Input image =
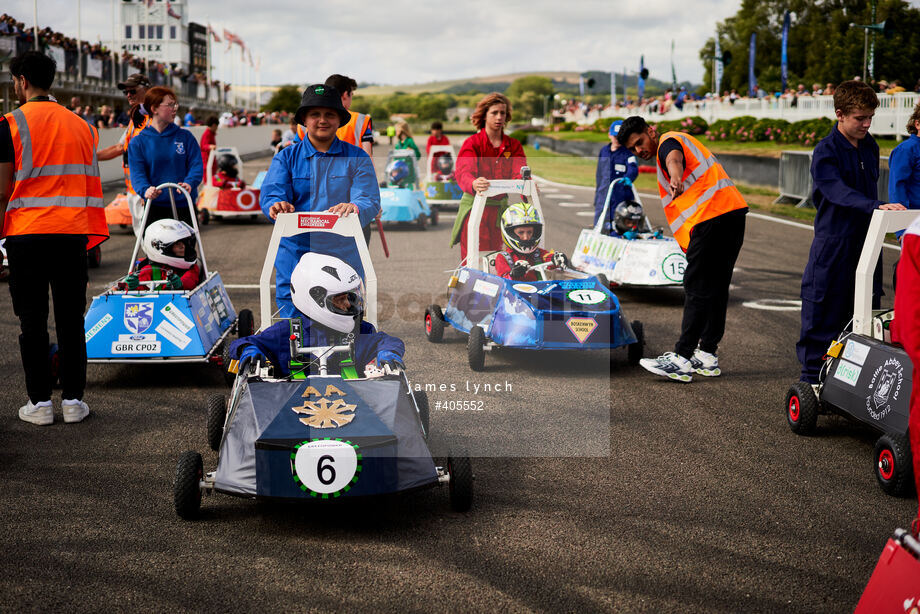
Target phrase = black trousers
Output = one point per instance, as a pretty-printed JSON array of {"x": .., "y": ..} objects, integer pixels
[
  {"x": 38, "y": 262},
  {"x": 711, "y": 255}
]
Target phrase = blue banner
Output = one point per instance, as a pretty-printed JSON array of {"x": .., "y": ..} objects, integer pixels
[
  {"x": 785, "y": 56},
  {"x": 624, "y": 85},
  {"x": 752, "y": 80},
  {"x": 640, "y": 83},
  {"x": 673, "y": 71},
  {"x": 719, "y": 65}
]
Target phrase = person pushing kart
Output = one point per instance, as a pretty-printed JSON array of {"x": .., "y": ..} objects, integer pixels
[
  {"x": 521, "y": 232},
  {"x": 328, "y": 297},
  {"x": 171, "y": 256}
]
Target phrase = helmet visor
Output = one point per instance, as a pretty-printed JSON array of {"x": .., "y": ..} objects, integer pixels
[{"x": 349, "y": 303}]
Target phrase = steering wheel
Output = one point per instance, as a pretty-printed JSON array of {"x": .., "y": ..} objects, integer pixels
[{"x": 540, "y": 269}]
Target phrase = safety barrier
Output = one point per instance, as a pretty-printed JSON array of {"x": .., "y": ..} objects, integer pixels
[{"x": 795, "y": 181}]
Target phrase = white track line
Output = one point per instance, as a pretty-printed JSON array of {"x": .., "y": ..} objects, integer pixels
[
  {"x": 585, "y": 213},
  {"x": 570, "y": 205},
  {"x": 560, "y": 196}
]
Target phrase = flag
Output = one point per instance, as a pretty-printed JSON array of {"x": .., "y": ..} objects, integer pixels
[
  {"x": 213, "y": 34},
  {"x": 249, "y": 56},
  {"x": 673, "y": 71},
  {"x": 784, "y": 67},
  {"x": 228, "y": 36},
  {"x": 718, "y": 66},
  {"x": 752, "y": 80},
  {"x": 171, "y": 12},
  {"x": 640, "y": 82},
  {"x": 581, "y": 85}
]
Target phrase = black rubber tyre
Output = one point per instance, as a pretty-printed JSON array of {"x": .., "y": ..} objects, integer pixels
[
  {"x": 421, "y": 221},
  {"x": 634, "y": 351},
  {"x": 94, "y": 257},
  {"x": 434, "y": 215},
  {"x": 229, "y": 378},
  {"x": 245, "y": 324},
  {"x": 801, "y": 408},
  {"x": 186, "y": 490},
  {"x": 475, "y": 352},
  {"x": 893, "y": 468},
  {"x": 424, "y": 409},
  {"x": 603, "y": 279},
  {"x": 460, "y": 470},
  {"x": 217, "y": 415},
  {"x": 54, "y": 358},
  {"x": 204, "y": 216},
  {"x": 434, "y": 323}
]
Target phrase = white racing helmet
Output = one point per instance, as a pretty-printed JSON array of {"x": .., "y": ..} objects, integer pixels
[
  {"x": 318, "y": 278},
  {"x": 515, "y": 216},
  {"x": 161, "y": 235}
]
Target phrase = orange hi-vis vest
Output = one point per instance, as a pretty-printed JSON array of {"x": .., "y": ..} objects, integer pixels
[
  {"x": 132, "y": 131},
  {"x": 708, "y": 192},
  {"x": 57, "y": 188},
  {"x": 347, "y": 132}
]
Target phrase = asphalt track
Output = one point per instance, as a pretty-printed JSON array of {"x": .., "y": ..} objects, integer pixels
[{"x": 598, "y": 486}]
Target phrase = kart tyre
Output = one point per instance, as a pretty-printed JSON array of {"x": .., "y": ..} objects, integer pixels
[
  {"x": 229, "y": 378},
  {"x": 54, "y": 357},
  {"x": 422, "y": 221},
  {"x": 94, "y": 257},
  {"x": 460, "y": 470},
  {"x": 424, "y": 409},
  {"x": 434, "y": 323},
  {"x": 603, "y": 279},
  {"x": 434, "y": 215},
  {"x": 893, "y": 468},
  {"x": 802, "y": 408},
  {"x": 217, "y": 415},
  {"x": 245, "y": 324},
  {"x": 635, "y": 350},
  {"x": 475, "y": 352},
  {"x": 204, "y": 216},
  {"x": 186, "y": 489}
]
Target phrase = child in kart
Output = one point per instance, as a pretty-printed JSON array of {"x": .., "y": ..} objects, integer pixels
[
  {"x": 328, "y": 295},
  {"x": 398, "y": 174},
  {"x": 521, "y": 232},
  {"x": 228, "y": 175},
  {"x": 171, "y": 256},
  {"x": 629, "y": 222},
  {"x": 444, "y": 167}
]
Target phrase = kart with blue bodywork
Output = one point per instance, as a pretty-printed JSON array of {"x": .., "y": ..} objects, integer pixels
[
  {"x": 329, "y": 431},
  {"x": 866, "y": 377},
  {"x": 401, "y": 202},
  {"x": 441, "y": 188},
  {"x": 152, "y": 325},
  {"x": 565, "y": 309}
]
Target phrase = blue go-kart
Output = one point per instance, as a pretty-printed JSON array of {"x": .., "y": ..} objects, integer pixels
[
  {"x": 566, "y": 310},
  {"x": 316, "y": 436},
  {"x": 402, "y": 202},
  {"x": 158, "y": 326}
]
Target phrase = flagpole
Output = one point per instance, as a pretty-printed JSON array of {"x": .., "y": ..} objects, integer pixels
[
  {"x": 207, "y": 54},
  {"x": 113, "y": 44},
  {"x": 79, "y": 42},
  {"x": 35, "y": 24}
]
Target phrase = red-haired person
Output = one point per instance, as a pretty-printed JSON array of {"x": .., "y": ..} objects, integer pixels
[{"x": 488, "y": 154}]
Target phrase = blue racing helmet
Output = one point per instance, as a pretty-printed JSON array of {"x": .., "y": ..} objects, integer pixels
[
  {"x": 397, "y": 172},
  {"x": 615, "y": 127}
]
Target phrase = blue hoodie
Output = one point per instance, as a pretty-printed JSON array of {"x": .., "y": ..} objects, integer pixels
[{"x": 169, "y": 156}]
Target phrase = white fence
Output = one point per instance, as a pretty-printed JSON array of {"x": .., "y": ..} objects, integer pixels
[{"x": 890, "y": 117}]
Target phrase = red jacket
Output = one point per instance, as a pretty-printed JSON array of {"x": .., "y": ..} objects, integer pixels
[
  {"x": 434, "y": 141},
  {"x": 505, "y": 260},
  {"x": 477, "y": 158},
  {"x": 152, "y": 271}
]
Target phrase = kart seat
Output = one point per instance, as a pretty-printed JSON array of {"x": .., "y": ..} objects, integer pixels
[{"x": 488, "y": 262}]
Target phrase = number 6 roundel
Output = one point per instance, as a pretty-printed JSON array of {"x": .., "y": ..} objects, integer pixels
[{"x": 326, "y": 468}]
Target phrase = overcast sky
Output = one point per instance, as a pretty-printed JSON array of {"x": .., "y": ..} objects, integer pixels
[{"x": 415, "y": 41}]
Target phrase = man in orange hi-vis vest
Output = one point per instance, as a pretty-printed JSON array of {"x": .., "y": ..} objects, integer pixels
[
  {"x": 706, "y": 213},
  {"x": 51, "y": 199}
]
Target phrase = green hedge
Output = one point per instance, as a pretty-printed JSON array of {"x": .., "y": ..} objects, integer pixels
[{"x": 746, "y": 129}]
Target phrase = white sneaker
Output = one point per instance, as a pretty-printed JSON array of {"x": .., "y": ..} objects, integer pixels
[
  {"x": 41, "y": 414},
  {"x": 74, "y": 410},
  {"x": 670, "y": 365},
  {"x": 705, "y": 363}
]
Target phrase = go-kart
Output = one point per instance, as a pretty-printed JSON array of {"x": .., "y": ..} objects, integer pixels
[
  {"x": 439, "y": 191},
  {"x": 650, "y": 259},
  {"x": 865, "y": 377},
  {"x": 315, "y": 435},
  {"x": 402, "y": 205},
  {"x": 227, "y": 201},
  {"x": 565, "y": 310},
  {"x": 158, "y": 326}
]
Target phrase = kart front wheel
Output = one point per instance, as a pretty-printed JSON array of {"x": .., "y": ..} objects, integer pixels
[
  {"x": 424, "y": 411},
  {"x": 229, "y": 377},
  {"x": 893, "y": 464},
  {"x": 635, "y": 350},
  {"x": 434, "y": 323},
  {"x": 245, "y": 324},
  {"x": 422, "y": 221},
  {"x": 802, "y": 408},
  {"x": 186, "y": 488},
  {"x": 460, "y": 471},
  {"x": 475, "y": 349},
  {"x": 217, "y": 415},
  {"x": 434, "y": 216},
  {"x": 204, "y": 216}
]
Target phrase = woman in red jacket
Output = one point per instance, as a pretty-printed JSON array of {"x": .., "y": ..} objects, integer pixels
[{"x": 488, "y": 154}]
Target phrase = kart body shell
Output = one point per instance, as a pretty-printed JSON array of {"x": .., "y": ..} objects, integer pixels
[
  {"x": 118, "y": 212},
  {"x": 150, "y": 326},
  {"x": 865, "y": 376},
  {"x": 228, "y": 202},
  {"x": 441, "y": 193},
  {"x": 405, "y": 205},
  {"x": 645, "y": 261}
]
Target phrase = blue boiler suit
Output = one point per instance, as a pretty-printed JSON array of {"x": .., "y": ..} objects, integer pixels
[
  {"x": 612, "y": 165},
  {"x": 904, "y": 174},
  {"x": 845, "y": 195}
]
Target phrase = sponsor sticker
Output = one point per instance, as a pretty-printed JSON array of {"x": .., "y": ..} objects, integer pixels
[
  {"x": 581, "y": 327},
  {"x": 177, "y": 318},
  {"x": 246, "y": 200},
  {"x": 673, "y": 267},
  {"x": 98, "y": 326},
  {"x": 525, "y": 288},
  {"x": 316, "y": 220},
  {"x": 174, "y": 335},
  {"x": 586, "y": 297},
  {"x": 847, "y": 372},
  {"x": 485, "y": 287},
  {"x": 856, "y": 352}
]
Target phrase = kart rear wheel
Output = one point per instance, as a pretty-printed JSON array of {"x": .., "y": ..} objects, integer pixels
[
  {"x": 634, "y": 350},
  {"x": 217, "y": 415},
  {"x": 802, "y": 408},
  {"x": 893, "y": 468},
  {"x": 475, "y": 350},
  {"x": 460, "y": 471},
  {"x": 204, "y": 216},
  {"x": 603, "y": 279},
  {"x": 229, "y": 377},
  {"x": 94, "y": 257},
  {"x": 245, "y": 324},
  {"x": 422, "y": 221},
  {"x": 434, "y": 323},
  {"x": 186, "y": 489},
  {"x": 424, "y": 409},
  {"x": 434, "y": 215}
]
